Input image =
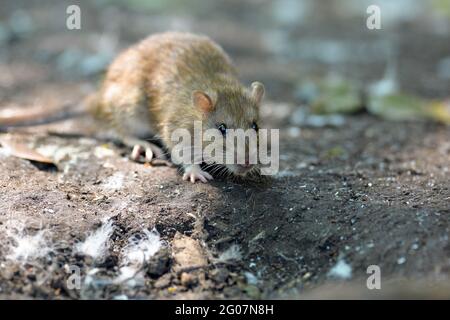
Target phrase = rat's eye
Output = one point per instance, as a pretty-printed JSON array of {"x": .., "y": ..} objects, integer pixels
[
  {"x": 222, "y": 128},
  {"x": 255, "y": 126}
]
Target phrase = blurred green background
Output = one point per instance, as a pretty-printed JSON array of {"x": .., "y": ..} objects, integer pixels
[{"x": 298, "y": 48}]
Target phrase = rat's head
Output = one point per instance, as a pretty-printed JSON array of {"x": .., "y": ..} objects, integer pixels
[{"x": 231, "y": 107}]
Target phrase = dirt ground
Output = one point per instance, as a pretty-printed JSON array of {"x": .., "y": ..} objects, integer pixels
[{"x": 365, "y": 192}]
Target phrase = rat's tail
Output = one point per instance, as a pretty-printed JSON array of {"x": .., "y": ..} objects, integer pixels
[{"x": 34, "y": 116}]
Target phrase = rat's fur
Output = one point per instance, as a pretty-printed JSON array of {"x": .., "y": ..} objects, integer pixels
[
  {"x": 166, "y": 82},
  {"x": 150, "y": 86}
]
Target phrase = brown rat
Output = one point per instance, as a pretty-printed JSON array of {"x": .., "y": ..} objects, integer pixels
[{"x": 167, "y": 82}]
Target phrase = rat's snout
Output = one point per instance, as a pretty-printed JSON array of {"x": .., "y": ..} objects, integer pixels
[
  {"x": 245, "y": 159},
  {"x": 245, "y": 167},
  {"x": 246, "y": 164}
]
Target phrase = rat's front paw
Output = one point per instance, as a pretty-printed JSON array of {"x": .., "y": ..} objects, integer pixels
[{"x": 194, "y": 173}]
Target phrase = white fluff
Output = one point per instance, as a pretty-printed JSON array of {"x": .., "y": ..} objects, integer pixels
[
  {"x": 232, "y": 253},
  {"x": 135, "y": 254},
  {"x": 341, "y": 270},
  {"x": 26, "y": 247},
  {"x": 141, "y": 249},
  {"x": 96, "y": 244},
  {"x": 131, "y": 275}
]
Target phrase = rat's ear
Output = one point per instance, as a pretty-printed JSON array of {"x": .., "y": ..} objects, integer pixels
[
  {"x": 202, "y": 101},
  {"x": 257, "y": 91}
]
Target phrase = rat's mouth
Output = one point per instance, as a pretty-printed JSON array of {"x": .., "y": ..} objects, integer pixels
[
  {"x": 234, "y": 169},
  {"x": 242, "y": 169}
]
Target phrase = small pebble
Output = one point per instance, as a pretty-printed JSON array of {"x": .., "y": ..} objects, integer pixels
[{"x": 187, "y": 279}]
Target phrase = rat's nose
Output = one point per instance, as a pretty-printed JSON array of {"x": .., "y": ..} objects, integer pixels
[{"x": 246, "y": 164}]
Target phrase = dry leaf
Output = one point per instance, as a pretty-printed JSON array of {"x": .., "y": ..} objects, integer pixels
[
  {"x": 440, "y": 111},
  {"x": 397, "y": 107},
  {"x": 337, "y": 96},
  {"x": 406, "y": 107},
  {"x": 21, "y": 150}
]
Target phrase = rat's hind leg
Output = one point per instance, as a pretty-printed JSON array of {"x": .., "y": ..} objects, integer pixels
[
  {"x": 132, "y": 130},
  {"x": 131, "y": 120},
  {"x": 143, "y": 148},
  {"x": 132, "y": 125},
  {"x": 127, "y": 105}
]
